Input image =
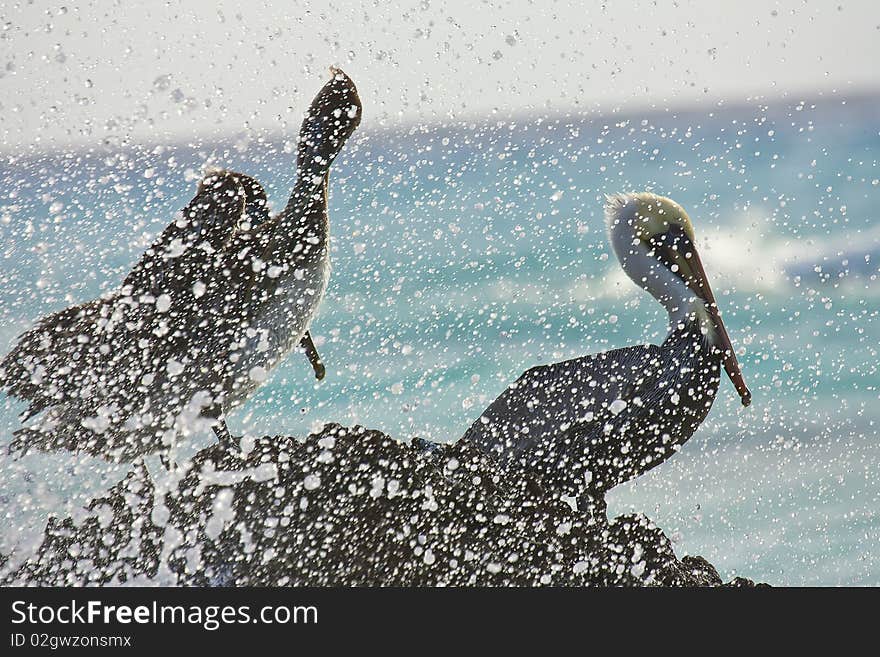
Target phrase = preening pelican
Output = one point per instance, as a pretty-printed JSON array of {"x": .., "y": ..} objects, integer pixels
[
  {"x": 220, "y": 298},
  {"x": 585, "y": 425}
]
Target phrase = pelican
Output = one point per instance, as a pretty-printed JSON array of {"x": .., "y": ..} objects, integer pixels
[
  {"x": 219, "y": 299},
  {"x": 582, "y": 426}
]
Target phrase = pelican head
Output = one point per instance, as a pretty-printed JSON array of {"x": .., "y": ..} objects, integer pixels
[
  {"x": 653, "y": 239},
  {"x": 332, "y": 117}
]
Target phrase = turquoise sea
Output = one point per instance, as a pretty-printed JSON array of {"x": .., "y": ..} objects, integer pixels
[{"x": 464, "y": 254}]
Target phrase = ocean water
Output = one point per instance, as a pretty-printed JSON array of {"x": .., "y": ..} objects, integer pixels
[{"x": 464, "y": 254}]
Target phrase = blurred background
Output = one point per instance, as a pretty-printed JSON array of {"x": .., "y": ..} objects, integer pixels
[{"x": 468, "y": 236}]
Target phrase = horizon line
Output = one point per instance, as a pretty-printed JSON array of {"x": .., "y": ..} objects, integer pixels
[{"x": 619, "y": 111}]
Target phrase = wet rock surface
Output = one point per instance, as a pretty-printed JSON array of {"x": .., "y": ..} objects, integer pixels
[{"x": 348, "y": 507}]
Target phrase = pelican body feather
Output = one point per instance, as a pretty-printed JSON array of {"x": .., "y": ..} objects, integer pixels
[{"x": 588, "y": 424}]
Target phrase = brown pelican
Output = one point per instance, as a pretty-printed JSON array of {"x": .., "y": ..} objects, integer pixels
[
  {"x": 581, "y": 426},
  {"x": 220, "y": 298}
]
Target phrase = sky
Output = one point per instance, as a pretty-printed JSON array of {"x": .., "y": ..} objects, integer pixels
[{"x": 113, "y": 71}]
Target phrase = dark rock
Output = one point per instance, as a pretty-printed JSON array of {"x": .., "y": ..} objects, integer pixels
[
  {"x": 742, "y": 582},
  {"x": 702, "y": 570},
  {"x": 350, "y": 507}
]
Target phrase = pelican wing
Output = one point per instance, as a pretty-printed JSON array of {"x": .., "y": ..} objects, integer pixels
[
  {"x": 40, "y": 367},
  {"x": 47, "y": 361},
  {"x": 100, "y": 362},
  {"x": 554, "y": 414},
  {"x": 205, "y": 226}
]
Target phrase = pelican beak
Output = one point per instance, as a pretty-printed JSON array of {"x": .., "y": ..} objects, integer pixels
[{"x": 690, "y": 268}]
